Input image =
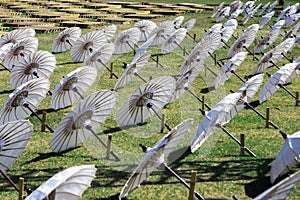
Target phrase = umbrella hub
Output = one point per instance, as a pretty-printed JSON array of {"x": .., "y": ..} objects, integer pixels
[
  {"x": 267, "y": 58},
  {"x": 70, "y": 83},
  {"x": 65, "y": 38},
  {"x": 83, "y": 119},
  {"x": 124, "y": 39},
  {"x": 88, "y": 46},
  {"x": 19, "y": 98},
  {"x": 2, "y": 144},
  {"x": 96, "y": 57},
  {"x": 18, "y": 50},
  {"x": 132, "y": 69},
  {"x": 172, "y": 39},
  {"x": 241, "y": 43},
  {"x": 31, "y": 68},
  {"x": 145, "y": 100}
]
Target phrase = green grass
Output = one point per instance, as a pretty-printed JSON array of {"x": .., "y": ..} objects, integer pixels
[{"x": 221, "y": 171}]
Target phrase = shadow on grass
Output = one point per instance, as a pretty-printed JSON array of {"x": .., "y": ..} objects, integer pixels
[
  {"x": 207, "y": 90},
  {"x": 6, "y": 91}
]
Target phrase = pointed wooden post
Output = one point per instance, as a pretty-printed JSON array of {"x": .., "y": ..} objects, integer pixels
[
  {"x": 297, "y": 99},
  {"x": 162, "y": 123},
  {"x": 157, "y": 60},
  {"x": 108, "y": 146},
  {"x": 194, "y": 37},
  {"x": 111, "y": 70},
  {"x": 192, "y": 185},
  {"x": 267, "y": 117},
  {"x": 43, "y": 126},
  {"x": 21, "y": 188},
  {"x": 203, "y": 103},
  {"x": 183, "y": 51},
  {"x": 242, "y": 147}
]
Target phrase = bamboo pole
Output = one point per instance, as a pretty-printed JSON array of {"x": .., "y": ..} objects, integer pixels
[{"x": 21, "y": 188}]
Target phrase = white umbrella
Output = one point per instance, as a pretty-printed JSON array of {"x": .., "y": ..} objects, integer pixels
[
  {"x": 39, "y": 64},
  {"x": 82, "y": 122},
  {"x": 127, "y": 40},
  {"x": 291, "y": 19},
  {"x": 188, "y": 25},
  {"x": 282, "y": 189},
  {"x": 161, "y": 32},
  {"x": 157, "y": 156},
  {"x": 178, "y": 21},
  {"x": 229, "y": 68},
  {"x": 227, "y": 31},
  {"x": 264, "y": 8},
  {"x": 220, "y": 114},
  {"x": 100, "y": 56},
  {"x": 16, "y": 35},
  {"x": 14, "y": 137},
  {"x": 73, "y": 87},
  {"x": 287, "y": 157},
  {"x": 217, "y": 9},
  {"x": 86, "y": 44},
  {"x": 292, "y": 32},
  {"x": 173, "y": 41},
  {"x": 132, "y": 70},
  {"x": 4, "y": 49},
  {"x": 275, "y": 82},
  {"x": 296, "y": 71},
  {"x": 145, "y": 26},
  {"x": 66, "y": 39},
  {"x": 272, "y": 6},
  {"x": 20, "y": 49},
  {"x": 24, "y": 99},
  {"x": 268, "y": 39},
  {"x": 146, "y": 101},
  {"x": 265, "y": 19},
  {"x": 67, "y": 184},
  {"x": 109, "y": 32},
  {"x": 223, "y": 13}
]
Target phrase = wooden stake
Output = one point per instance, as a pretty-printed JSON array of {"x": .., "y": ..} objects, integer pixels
[
  {"x": 157, "y": 60},
  {"x": 43, "y": 126},
  {"x": 194, "y": 37},
  {"x": 242, "y": 147},
  {"x": 162, "y": 123},
  {"x": 21, "y": 188},
  {"x": 183, "y": 51},
  {"x": 297, "y": 99},
  {"x": 267, "y": 117},
  {"x": 108, "y": 146},
  {"x": 192, "y": 185},
  {"x": 203, "y": 103},
  {"x": 111, "y": 70}
]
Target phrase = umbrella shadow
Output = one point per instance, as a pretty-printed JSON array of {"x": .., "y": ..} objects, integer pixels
[
  {"x": 207, "y": 89},
  {"x": 49, "y": 110},
  {"x": 257, "y": 186},
  {"x": 6, "y": 91},
  {"x": 254, "y": 104}
]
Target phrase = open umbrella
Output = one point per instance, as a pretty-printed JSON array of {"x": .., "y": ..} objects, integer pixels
[
  {"x": 4, "y": 49},
  {"x": 268, "y": 39},
  {"x": 292, "y": 32},
  {"x": 24, "y": 99},
  {"x": 157, "y": 156},
  {"x": 109, "y": 32},
  {"x": 66, "y": 39},
  {"x": 132, "y": 70},
  {"x": 173, "y": 41},
  {"x": 217, "y": 9},
  {"x": 100, "y": 56},
  {"x": 227, "y": 31},
  {"x": 16, "y": 35},
  {"x": 127, "y": 40},
  {"x": 146, "y": 101},
  {"x": 229, "y": 68},
  {"x": 282, "y": 189},
  {"x": 224, "y": 12},
  {"x": 86, "y": 44},
  {"x": 275, "y": 82},
  {"x": 287, "y": 157},
  {"x": 188, "y": 25},
  {"x": 14, "y": 137},
  {"x": 272, "y": 6},
  {"x": 73, "y": 87},
  {"x": 145, "y": 26},
  {"x": 39, "y": 64},
  {"x": 20, "y": 49},
  {"x": 178, "y": 21},
  {"x": 220, "y": 114},
  {"x": 265, "y": 19},
  {"x": 82, "y": 122},
  {"x": 264, "y": 8},
  {"x": 161, "y": 32},
  {"x": 67, "y": 184}
]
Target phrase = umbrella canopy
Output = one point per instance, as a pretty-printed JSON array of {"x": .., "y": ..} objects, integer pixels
[
  {"x": 223, "y": 13},
  {"x": 227, "y": 31},
  {"x": 272, "y": 6},
  {"x": 86, "y": 44},
  {"x": 156, "y": 156},
  {"x": 39, "y": 64},
  {"x": 178, "y": 21},
  {"x": 188, "y": 25},
  {"x": 132, "y": 70},
  {"x": 173, "y": 41},
  {"x": 100, "y": 56},
  {"x": 16, "y": 36},
  {"x": 90, "y": 113},
  {"x": 66, "y": 39},
  {"x": 14, "y": 137},
  {"x": 146, "y": 27},
  {"x": 161, "y": 32},
  {"x": 147, "y": 100},
  {"x": 251, "y": 86},
  {"x": 67, "y": 184},
  {"x": 291, "y": 19},
  {"x": 230, "y": 66},
  {"x": 217, "y": 9},
  {"x": 30, "y": 93},
  {"x": 264, "y": 8},
  {"x": 273, "y": 84},
  {"x": 222, "y": 113},
  {"x": 73, "y": 87},
  {"x": 292, "y": 32},
  {"x": 20, "y": 49},
  {"x": 4, "y": 49},
  {"x": 109, "y": 32},
  {"x": 265, "y": 19},
  {"x": 268, "y": 39},
  {"x": 296, "y": 71},
  {"x": 282, "y": 189},
  {"x": 127, "y": 40},
  {"x": 287, "y": 157},
  {"x": 183, "y": 82}
]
